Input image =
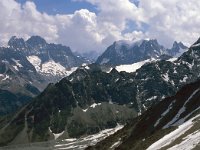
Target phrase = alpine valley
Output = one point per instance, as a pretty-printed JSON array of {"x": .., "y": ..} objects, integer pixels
[{"x": 138, "y": 95}]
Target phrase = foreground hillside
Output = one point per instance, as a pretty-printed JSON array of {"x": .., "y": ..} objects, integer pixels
[{"x": 172, "y": 124}]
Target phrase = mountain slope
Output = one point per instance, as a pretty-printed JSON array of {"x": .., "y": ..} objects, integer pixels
[
  {"x": 37, "y": 61},
  {"x": 177, "y": 49},
  {"x": 27, "y": 67},
  {"x": 15, "y": 69},
  {"x": 10, "y": 102},
  {"x": 77, "y": 108},
  {"x": 19, "y": 81},
  {"x": 42, "y": 55},
  {"x": 170, "y": 124}
]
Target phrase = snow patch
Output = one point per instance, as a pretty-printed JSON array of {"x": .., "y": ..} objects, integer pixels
[
  {"x": 70, "y": 140},
  {"x": 109, "y": 70},
  {"x": 84, "y": 65},
  {"x": 16, "y": 68},
  {"x": 175, "y": 70},
  {"x": 50, "y": 67},
  {"x": 151, "y": 98},
  {"x": 116, "y": 79},
  {"x": 184, "y": 79},
  {"x": 182, "y": 120},
  {"x": 145, "y": 108},
  {"x": 17, "y": 63},
  {"x": 133, "y": 67},
  {"x": 104, "y": 61},
  {"x": 89, "y": 140},
  {"x": 56, "y": 135},
  {"x": 164, "y": 113},
  {"x": 35, "y": 61},
  {"x": 116, "y": 144},
  {"x": 166, "y": 77},
  {"x": 189, "y": 65},
  {"x": 87, "y": 67},
  {"x": 189, "y": 142},
  {"x": 85, "y": 110},
  {"x": 5, "y": 78},
  {"x": 94, "y": 105},
  {"x": 169, "y": 138},
  {"x": 172, "y": 59},
  {"x": 177, "y": 117}
]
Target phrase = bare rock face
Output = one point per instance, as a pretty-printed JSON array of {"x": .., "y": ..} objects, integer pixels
[{"x": 127, "y": 52}]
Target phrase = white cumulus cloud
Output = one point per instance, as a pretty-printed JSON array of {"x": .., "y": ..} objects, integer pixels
[
  {"x": 172, "y": 20},
  {"x": 164, "y": 20},
  {"x": 86, "y": 31},
  {"x": 83, "y": 30}
]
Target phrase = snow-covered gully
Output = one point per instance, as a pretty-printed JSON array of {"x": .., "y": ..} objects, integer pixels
[{"x": 169, "y": 138}]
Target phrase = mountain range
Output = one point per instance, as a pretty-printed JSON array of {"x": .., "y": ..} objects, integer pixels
[
  {"x": 27, "y": 67},
  {"x": 91, "y": 99},
  {"x": 129, "y": 52}
]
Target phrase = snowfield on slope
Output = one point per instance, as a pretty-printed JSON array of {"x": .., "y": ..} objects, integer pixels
[
  {"x": 133, "y": 67},
  {"x": 171, "y": 137},
  {"x": 67, "y": 144},
  {"x": 190, "y": 142},
  {"x": 82, "y": 143},
  {"x": 50, "y": 67}
]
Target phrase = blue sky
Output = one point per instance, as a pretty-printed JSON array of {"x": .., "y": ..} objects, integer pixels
[{"x": 60, "y": 6}]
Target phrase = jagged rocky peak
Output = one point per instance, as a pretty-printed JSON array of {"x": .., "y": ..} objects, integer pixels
[
  {"x": 20, "y": 43},
  {"x": 16, "y": 42},
  {"x": 123, "y": 43},
  {"x": 36, "y": 41},
  {"x": 48, "y": 59},
  {"x": 128, "y": 43},
  {"x": 114, "y": 71},
  {"x": 179, "y": 45},
  {"x": 151, "y": 41},
  {"x": 152, "y": 45},
  {"x": 178, "y": 48},
  {"x": 128, "y": 52}
]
